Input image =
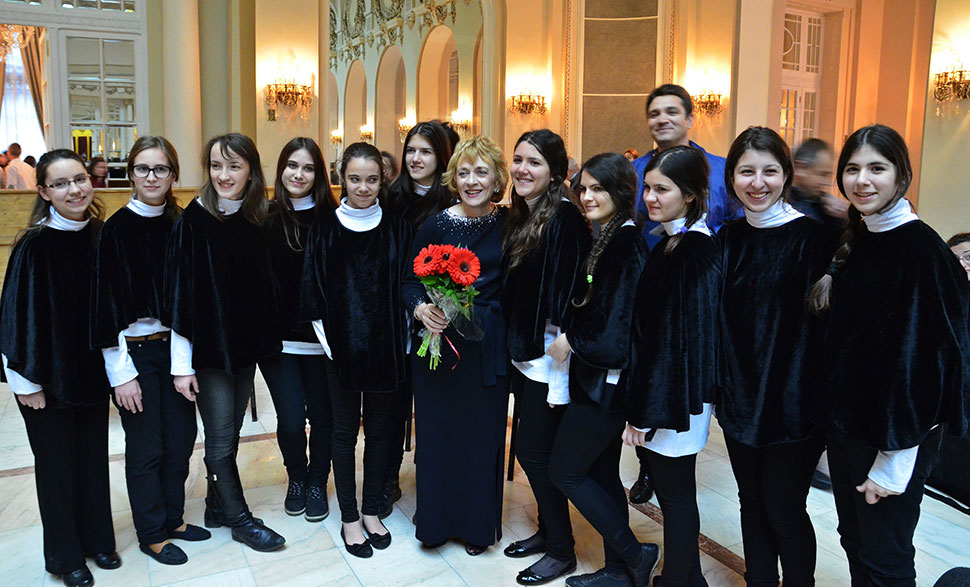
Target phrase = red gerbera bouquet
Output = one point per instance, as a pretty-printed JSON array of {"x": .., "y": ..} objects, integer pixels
[{"x": 448, "y": 273}]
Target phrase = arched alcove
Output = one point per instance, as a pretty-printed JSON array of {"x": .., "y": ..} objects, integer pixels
[
  {"x": 435, "y": 68},
  {"x": 391, "y": 97},
  {"x": 332, "y": 117},
  {"x": 355, "y": 102}
]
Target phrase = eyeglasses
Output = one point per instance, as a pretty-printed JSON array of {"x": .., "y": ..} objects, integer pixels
[
  {"x": 964, "y": 258},
  {"x": 160, "y": 171},
  {"x": 62, "y": 185}
]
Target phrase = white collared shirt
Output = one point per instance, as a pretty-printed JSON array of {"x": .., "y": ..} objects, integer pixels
[
  {"x": 778, "y": 214},
  {"x": 898, "y": 215}
]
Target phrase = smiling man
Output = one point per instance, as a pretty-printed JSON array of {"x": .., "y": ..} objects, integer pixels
[{"x": 670, "y": 114}]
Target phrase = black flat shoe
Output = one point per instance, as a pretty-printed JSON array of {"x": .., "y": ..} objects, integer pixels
[
  {"x": 474, "y": 549},
  {"x": 107, "y": 560},
  {"x": 521, "y": 548},
  {"x": 80, "y": 578},
  {"x": 601, "y": 578},
  {"x": 642, "y": 490},
  {"x": 169, "y": 555},
  {"x": 533, "y": 577},
  {"x": 649, "y": 558},
  {"x": 362, "y": 550},
  {"x": 379, "y": 541},
  {"x": 190, "y": 534}
]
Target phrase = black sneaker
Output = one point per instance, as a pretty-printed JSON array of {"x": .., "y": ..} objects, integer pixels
[
  {"x": 296, "y": 499},
  {"x": 316, "y": 504}
]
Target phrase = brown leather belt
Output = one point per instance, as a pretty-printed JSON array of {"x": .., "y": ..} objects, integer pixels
[{"x": 157, "y": 336}]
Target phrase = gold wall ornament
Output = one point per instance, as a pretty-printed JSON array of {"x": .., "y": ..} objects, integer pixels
[
  {"x": 366, "y": 133},
  {"x": 708, "y": 103},
  {"x": 410, "y": 20},
  {"x": 528, "y": 103},
  {"x": 951, "y": 85}
]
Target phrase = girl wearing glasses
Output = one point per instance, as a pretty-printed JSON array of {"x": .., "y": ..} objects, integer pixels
[
  {"x": 220, "y": 289},
  {"x": 128, "y": 327},
  {"x": 60, "y": 385}
]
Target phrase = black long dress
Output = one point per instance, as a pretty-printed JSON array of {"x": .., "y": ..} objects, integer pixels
[{"x": 461, "y": 409}]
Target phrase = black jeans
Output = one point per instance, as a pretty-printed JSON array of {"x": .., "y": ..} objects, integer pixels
[
  {"x": 676, "y": 490},
  {"x": 222, "y": 402},
  {"x": 538, "y": 425},
  {"x": 878, "y": 538},
  {"x": 773, "y": 484},
  {"x": 158, "y": 444},
  {"x": 298, "y": 385},
  {"x": 585, "y": 466},
  {"x": 70, "y": 446},
  {"x": 378, "y": 416}
]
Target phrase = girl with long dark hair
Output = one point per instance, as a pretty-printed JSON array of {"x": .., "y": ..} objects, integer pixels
[
  {"x": 673, "y": 360},
  {"x": 769, "y": 340},
  {"x": 219, "y": 286},
  {"x": 545, "y": 244},
  {"x": 895, "y": 357},
  {"x": 60, "y": 384}
]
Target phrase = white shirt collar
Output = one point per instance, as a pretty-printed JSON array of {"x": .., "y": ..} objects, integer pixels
[
  {"x": 304, "y": 203},
  {"x": 421, "y": 189},
  {"x": 58, "y": 222},
  {"x": 898, "y": 215},
  {"x": 142, "y": 209},
  {"x": 359, "y": 220},
  {"x": 677, "y": 226},
  {"x": 774, "y": 216}
]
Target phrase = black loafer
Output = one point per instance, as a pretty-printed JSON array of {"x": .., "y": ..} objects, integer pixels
[
  {"x": 107, "y": 560},
  {"x": 190, "y": 534},
  {"x": 78, "y": 578},
  {"x": 474, "y": 549},
  {"x": 362, "y": 550},
  {"x": 642, "y": 490},
  {"x": 530, "y": 577},
  {"x": 522, "y": 548},
  {"x": 169, "y": 555}
]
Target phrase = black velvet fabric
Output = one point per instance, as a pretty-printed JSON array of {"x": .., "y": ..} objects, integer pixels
[
  {"x": 412, "y": 207},
  {"x": 44, "y": 318},
  {"x": 769, "y": 338},
  {"x": 896, "y": 351},
  {"x": 600, "y": 331},
  {"x": 542, "y": 286},
  {"x": 352, "y": 283},
  {"x": 128, "y": 275},
  {"x": 673, "y": 360},
  {"x": 220, "y": 289},
  {"x": 288, "y": 268}
]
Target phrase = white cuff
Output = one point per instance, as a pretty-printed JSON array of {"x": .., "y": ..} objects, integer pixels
[
  {"x": 181, "y": 350},
  {"x": 558, "y": 394},
  {"x": 118, "y": 364},
  {"x": 322, "y": 337},
  {"x": 893, "y": 469},
  {"x": 19, "y": 384}
]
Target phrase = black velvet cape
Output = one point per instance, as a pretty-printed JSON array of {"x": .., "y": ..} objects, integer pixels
[
  {"x": 769, "y": 338},
  {"x": 44, "y": 318},
  {"x": 220, "y": 289},
  {"x": 600, "y": 332},
  {"x": 412, "y": 207},
  {"x": 128, "y": 274},
  {"x": 541, "y": 287},
  {"x": 673, "y": 360},
  {"x": 352, "y": 282},
  {"x": 288, "y": 268},
  {"x": 896, "y": 352}
]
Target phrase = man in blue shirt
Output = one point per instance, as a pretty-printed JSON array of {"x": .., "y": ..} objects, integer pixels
[{"x": 670, "y": 114}]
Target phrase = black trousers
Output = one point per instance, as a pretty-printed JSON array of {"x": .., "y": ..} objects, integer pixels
[
  {"x": 379, "y": 413},
  {"x": 158, "y": 444},
  {"x": 773, "y": 484},
  {"x": 222, "y": 402},
  {"x": 538, "y": 425},
  {"x": 70, "y": 446},
  {"x": 585, "y": 466},
  {"x": 298, "y": 385},
  {"x": 878, "y": 538},
  {"x": 395, "y": 457},
  {"x": 676, "y": 490}
]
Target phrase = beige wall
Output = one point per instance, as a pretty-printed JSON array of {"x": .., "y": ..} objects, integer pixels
[{"x": 945, "y": 192}]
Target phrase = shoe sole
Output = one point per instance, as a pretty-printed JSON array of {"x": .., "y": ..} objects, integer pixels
[
  {"x": 310, "y": 518},
  {"x": 271, "y": 549},
  {"x": 294, "y": 513},
  {"x": 564, "y": 572}
]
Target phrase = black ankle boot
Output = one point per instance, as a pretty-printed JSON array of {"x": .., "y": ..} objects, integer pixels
[
  {"x": 245, "y": 529},
  {"x": 642, "y": 490}
]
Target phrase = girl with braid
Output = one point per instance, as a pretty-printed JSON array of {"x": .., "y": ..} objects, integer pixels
[
  {"x": 896, "y": 356},
  {"x": 585, "y": 461}
]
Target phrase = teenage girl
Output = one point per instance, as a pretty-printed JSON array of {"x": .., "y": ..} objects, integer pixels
[
  {"x": 296, "y": 377},
  {"x": 61, "y": 388},
  {"x": 220, "y": 289},
  {"x": 768, "y": 343},
  {"x": 896, "y": 358},
  {"x": 545, "y": 245},
  {"x": 585, "y": 463},
  {"x": 356, "y": 260},
  {"x": 673, "y": 359}
]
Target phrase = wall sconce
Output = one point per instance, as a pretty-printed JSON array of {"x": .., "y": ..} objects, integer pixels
[
  {"x": 336, "y": 138},
  {"x": 708, "y": 103},
  {"x": 461, "y": 121},
  {"x": 404, "y": 126},
  {"x": 366, "y": 133},
  {"x": 286, "y": 92},
  {"x": 528, "y": 103},
  {"x": 951, "y": 85}
]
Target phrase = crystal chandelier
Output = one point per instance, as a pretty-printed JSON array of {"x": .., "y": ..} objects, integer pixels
[{"x": 13, "y": 36}]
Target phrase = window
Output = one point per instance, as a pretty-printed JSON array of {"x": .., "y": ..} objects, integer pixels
[
  {"x": 18, "y": 115},
  {"x": 801, "y": 64},
  {"x": 116, "y": 5}
]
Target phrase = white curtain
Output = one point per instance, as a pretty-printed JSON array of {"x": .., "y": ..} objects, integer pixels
[{"x": 18, "y": 115}]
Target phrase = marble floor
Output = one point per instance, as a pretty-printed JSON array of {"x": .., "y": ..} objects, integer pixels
[{"x": 312, "y": 555}]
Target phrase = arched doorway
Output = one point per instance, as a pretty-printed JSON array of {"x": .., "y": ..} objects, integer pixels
[
  {"x": 355, "y": 102},
  {"x": 437, "y": 75},
  {"x": 391, "y": 95}
]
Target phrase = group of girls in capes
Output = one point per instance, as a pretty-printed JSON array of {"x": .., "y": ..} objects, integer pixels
[{"x": 795, "y": 339}]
